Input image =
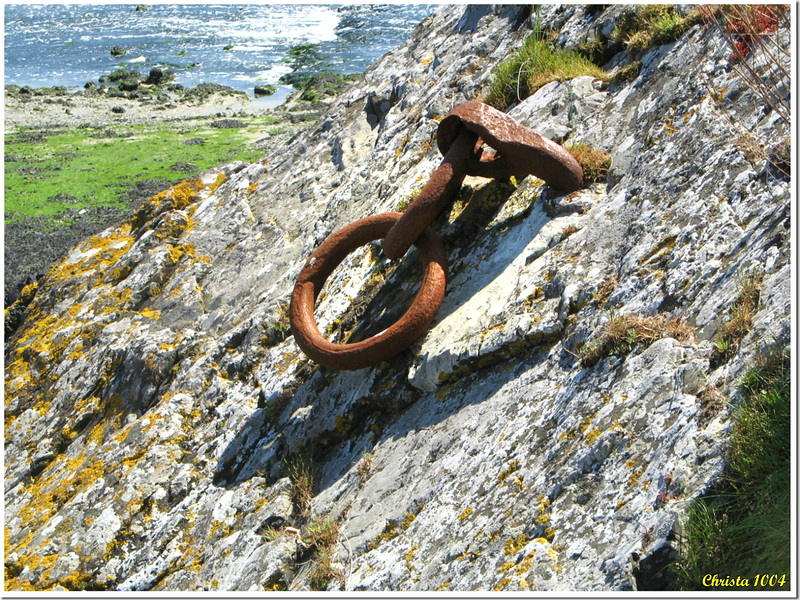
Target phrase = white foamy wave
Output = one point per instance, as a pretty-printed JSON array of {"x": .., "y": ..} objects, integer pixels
[{"x": 40, "y": 40}]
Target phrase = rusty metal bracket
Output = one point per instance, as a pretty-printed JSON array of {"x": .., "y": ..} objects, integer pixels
[
  {"x": 518, "y": 151},
  {"x": 462, "y": 137}
]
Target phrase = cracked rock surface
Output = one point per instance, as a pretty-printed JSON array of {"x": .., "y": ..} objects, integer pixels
[{"x": 156, "y": 402}]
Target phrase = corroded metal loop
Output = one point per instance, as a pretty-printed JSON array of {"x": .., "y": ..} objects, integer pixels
[
  {"x": 437, "y": 195},
  {"x": 519, "y": 151},
  {"x": 395, "y": 338},
  {"x": 514, "y": 150}
]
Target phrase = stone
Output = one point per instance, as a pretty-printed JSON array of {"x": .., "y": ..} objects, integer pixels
[
  {"x": 264, "y": 90},
  {"x": 152, "y": 381}
]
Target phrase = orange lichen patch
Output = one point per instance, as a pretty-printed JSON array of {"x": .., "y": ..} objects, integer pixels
[
  {"x": 95, "y": 256},
  {"x": 35, "y": 563},
  {"x": 64, "y": 317},
  {"x": 60, "y": 482}
]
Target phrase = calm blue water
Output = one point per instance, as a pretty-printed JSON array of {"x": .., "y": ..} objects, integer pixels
[{"x": 62, "y": 44}]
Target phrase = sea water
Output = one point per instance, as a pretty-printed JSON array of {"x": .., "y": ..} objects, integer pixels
[{"x": 240, "y": 46}]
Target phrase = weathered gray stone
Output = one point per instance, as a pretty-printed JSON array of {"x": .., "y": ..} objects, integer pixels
[{"x": 155, "y": 399}]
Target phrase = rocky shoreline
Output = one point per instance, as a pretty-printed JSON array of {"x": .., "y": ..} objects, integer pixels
[{"x": 32, "y": 244}]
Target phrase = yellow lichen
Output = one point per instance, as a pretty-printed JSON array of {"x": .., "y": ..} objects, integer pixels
[
  {"x": 503, "y": 583},
  {"x": 592, "y": 436},
  {"x": 511, "y": 468},
  {"x": 635, "y": 477},
  {"x": 514, "y": 545},
  {"x": 465, "y": 513}
]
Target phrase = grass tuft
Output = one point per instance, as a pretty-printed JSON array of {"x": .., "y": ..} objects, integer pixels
[
  {"x": 651, "y": 25},
  {"x": 533, "y": 66},
  {"x": 740, "y": 319},
  {"x": 623, "y": 333},
  {"x": 301, "y": 474}
]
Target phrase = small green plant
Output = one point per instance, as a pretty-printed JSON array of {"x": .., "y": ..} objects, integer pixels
[
  {"x": 623, "y": 333},
  {"x": 281, "y": 324},
  {"x": 742, "y": 528},
  {"x": 595, "y": 163}
]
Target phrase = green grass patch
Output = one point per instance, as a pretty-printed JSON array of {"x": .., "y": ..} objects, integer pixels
[
  {"x": 535, "y": 64},
  {"x": 50, "y": 172},
  {"x": 743, "y": 527}
]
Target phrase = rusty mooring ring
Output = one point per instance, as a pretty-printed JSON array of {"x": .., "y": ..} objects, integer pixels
[
  {"x": 395, "y": 338},
  {"x": 519, "y": 150}
]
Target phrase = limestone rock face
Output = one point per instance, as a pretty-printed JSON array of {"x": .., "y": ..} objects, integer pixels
[{"x": 161, "y": 422}]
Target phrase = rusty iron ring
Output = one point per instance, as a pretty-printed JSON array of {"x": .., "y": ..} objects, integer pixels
[
  {"x": 395, "y": 338},
  {"x": 519, "y": 151}
]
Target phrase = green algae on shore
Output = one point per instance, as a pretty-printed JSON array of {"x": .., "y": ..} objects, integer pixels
[{"x": 48, "y": 172}]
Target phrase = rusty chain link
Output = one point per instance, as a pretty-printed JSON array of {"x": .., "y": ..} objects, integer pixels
[{"x": 462, "y": 137}]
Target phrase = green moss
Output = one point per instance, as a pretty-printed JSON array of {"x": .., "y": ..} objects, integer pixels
[
  {"x": 595, "y": 163},
  {"x": 627, "y": 73}
]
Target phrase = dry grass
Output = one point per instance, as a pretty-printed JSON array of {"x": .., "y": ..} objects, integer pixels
[
  {"x": 605, "y": 290},
  {"x": 364, "y": 467},
  {"x": 568, "y": 231},
  {"x": 595, "y": 163},
  {"x": 623, "y": 333},
  {"x": 712, "y": 401},
  {"x": 753, "y": 30},
  {"x": 756, "y": 40},
  {"x": 740, "y": 318}
]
